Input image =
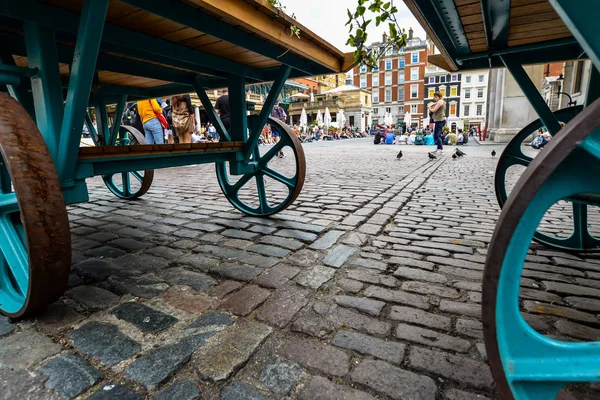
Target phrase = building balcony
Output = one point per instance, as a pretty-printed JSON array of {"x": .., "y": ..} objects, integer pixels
[{"x": 315, "y": 105}]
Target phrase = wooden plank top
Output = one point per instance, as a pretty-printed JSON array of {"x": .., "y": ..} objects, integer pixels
[
  {"x": 530, "y": 22},
  {"x": 100, "y": 152}
]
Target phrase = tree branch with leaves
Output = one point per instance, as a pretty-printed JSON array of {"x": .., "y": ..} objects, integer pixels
[
  {"x": 358, "y": 23},
  {"x": 294, "y": 30}
]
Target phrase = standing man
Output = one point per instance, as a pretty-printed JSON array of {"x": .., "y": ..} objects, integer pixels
[
  {"x": 278, "y": 113},
  {"x": 222, "y": 107},
  {"x": 438, "y": 109}
]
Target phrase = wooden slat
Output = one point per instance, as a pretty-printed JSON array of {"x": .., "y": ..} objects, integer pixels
[
  {"x": 539, "y": 33},
  {"x": 539, "y": 17},
  {"x": 520, "y": 42},
  {"x": 472, "y": 19},
  {"x": 96, "y": 152},
  {"x": 536, "y": 26},
  {"x": 459, "y": 3},
  {"x": 477, "y": 49},
  {"x": 519, "y": 3},
  {"x": 469, "y": 9},
  {"x": 530, "y": 9},
  {"x": 476, "y": 35}
]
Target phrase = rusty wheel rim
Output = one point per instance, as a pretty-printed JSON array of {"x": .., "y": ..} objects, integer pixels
[{"x": 35, "y": 240}]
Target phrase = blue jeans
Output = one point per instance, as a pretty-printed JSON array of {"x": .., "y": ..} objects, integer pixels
[
  {"x": 154, "y": 132},
  {"x": 437, "y": 134}
]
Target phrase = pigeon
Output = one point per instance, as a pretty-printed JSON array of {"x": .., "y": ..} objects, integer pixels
[
  {"x": 399, "y": 156},
  {"x": 454, "y": 156},
  {"x": 493, "y": 153},
  {"x": 432, "y": 157},
  {"x": 460, "y": 153}
]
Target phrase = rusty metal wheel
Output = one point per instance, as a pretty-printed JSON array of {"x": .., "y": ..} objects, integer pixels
[
  {"x": 526, "y": 364},
  {"x": 276, "y": 181},
  {"x": 133, "y": 184},
  {"x": 35, "y": 239}
]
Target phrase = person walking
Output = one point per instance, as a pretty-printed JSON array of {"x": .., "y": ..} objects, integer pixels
[
  {"x": 148, "y": 110},
  {"x": 222, "y": 107},
  {"x": 439, "y": 118},
  {"x": 182, "y": 114},
  {"x": 278, "y": 113}
]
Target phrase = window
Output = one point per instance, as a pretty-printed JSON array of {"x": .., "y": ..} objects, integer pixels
[
  {"x": 366, "y": 99},
  {"x": 414, "y": 109},
  {"x": 375, "y": 110},
  {"x": 388, "y": 109},
  {"x": 376, "y": 68},
  {"x": 400, "y": 94},
  {"x": 443, "y": 91},
  {"x": 432, "y": 79},
  {"x": 415, "y": 57},
  {"x": 388, "y": 52},
  {"x": 414, "y": 91},
  {"x": 414, "y": 74},
  {"x": 481, "y": 78},
  {"x": 375, "y": 79},
  {"x": 467, "y": 93},
  {"x": 468, "y": 79},
  {"x": 480, "y": 93},
  {"x": 431, "y": 93},
  {"x": 388, "y": 94},
  {"x": 388, "y": 65},
  {"x": 453, "y": 91},
  {"x": 479, "y": 109},
  {"x": 578, "y": 76},
  {"x": 453, "y": 109},
  {"x": 388, "y": 79},
  {"x": 363, "y": 68},
  {"x": 466, "y": 113},
  {"x": 442, "y": 78},
  {"x": 401, "y": 77},
  {"x": 376, "y": 96},
  {"x": 351, "y": 120},
  {"x": 454, "y": 78},
  {"x": 363, "y": 81},
  {"x": 401, "y": 63},
  {"x": 401, "y": 110}
]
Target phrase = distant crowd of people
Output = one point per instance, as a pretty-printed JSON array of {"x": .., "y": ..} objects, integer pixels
[{"x": 414, "y": 136}]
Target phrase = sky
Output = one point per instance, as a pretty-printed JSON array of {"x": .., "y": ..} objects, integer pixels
[{"x": 327, "y": 18}]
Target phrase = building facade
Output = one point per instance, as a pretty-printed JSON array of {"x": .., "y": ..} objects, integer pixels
[
  {"x": 474, "y": 98},
  {"x": 449, "y": 86},
  {"x": 397, "y": 79},
  {"x": 330, "y": 82}
]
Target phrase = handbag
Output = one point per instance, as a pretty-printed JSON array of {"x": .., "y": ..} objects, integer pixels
[{"x": 161, "y": 118}]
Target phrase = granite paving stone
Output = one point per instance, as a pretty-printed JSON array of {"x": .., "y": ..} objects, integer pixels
[
  {"x": 315, "y": 277},
  {"x": 420, "y": 317},
  {"x": 238, "y": 272},
  {"x": 315, "y": 326},
  {"x": 225, "y": 288},
  {"x": 277, "y": 276},
  {"x": 397, "y": 296},
  {"x": 360, "y": 322},
  {"x": 21, "y": 384},
  {"x": 147, "y": 286},
  {"x": 368, "y": 306},
  {"x": 212, "y": 321},
  {"x": 383, "y": 349},
  {"x": 290, "y": 244},
  {"x": 245, "y": 300},
  {"x": 227, "y": 351},
  {"x": 181, "y": 276},
  {"x": 185, "y": 299},
  {"x": 327, "y": 240},
  {"x": 143, "y": 317},
  {"x": 70, "y": 375},
  {"x": 312, "y": 354},
  {"x": 339, "y": 255},
  {"x": 296, "y": 234},
  {"x": 283, "y": 305},
  {"x": 304, "y": 258},
  {"x": 23, "y": 350},
  {"x": 241, "y": 391},
  {"x": 92, "y": 297},
  {"x": 321, "y": 388},
  {"x": 268, "y": 250},
  {"x": 180, "y": 390},
  {"x": 280, "y": 376},
  {"x": 6, "y": 327},
  {"x": 456, "y": 394},
  {"x": 394, "y": 382},
  {"x": 104, "y": 342},
  {"x": 431, "y": 338}
]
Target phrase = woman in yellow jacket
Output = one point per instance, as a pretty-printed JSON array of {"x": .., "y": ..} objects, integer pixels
[{"x": 152, "y": 127}]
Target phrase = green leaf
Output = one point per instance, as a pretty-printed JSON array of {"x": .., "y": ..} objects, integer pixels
[
  {"x": 360, "y": 10},
  {"x": 387, "y": 5}
]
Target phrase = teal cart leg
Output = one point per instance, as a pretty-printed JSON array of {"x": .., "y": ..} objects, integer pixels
[
  {"x": 114, "y": 130},
  {"x": 210, "y": 111},
  {"x": 21, "y": 93},
  {"x": 526, "y": 364}
]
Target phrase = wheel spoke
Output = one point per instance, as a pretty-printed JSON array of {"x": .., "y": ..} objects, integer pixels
[
  {"x": 138, "y": 176},
  {"x": 126, "y": 184},
  {"x": 262, "y": 193},
  {"x": 518, "y": 160},
  {"x": 14, "y": 253},
  {"x": 233, "y": 189},
  {"x": 8, "y": 203},
  {"x": 289, "y": 182},
  {"x": 273, "y": 152},
  {"x": 579, "y": 224}
]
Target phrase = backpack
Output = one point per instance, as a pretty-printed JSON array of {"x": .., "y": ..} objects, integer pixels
[
  {"x": 132, "y": 118},
  {"x": 419, "y": 139}
]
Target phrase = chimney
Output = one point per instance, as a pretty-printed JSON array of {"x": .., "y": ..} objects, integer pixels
[
  {"x": 384, "y": 38},
  {"x": 410, "y": 33}
]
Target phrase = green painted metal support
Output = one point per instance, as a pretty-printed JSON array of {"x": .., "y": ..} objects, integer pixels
[
  {"x": 237, "y": 105},
  {"x": 210, "y": 111},
  {"x": 593, "y": 91},
  {"x": 92, "y": 129},
  {"x": 22, "y": 92},
  {"x": 114, "y": 132},
  {"x": 256, "y": 128},
  {"x": 496, "y": 16},
  {"x": 531, "y": 92},
  {"x": 581, "y": 18},
  {"x": 101, "y": 117},
  {"x": 46, "y": 86},
  {"x": 87, "y": 47}
]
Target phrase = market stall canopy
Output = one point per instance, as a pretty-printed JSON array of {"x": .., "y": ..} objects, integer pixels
[
  {"x": 300, "y": 96},
  {"x": 473, "y": 34},
  {"x": 161, "y": 46}
]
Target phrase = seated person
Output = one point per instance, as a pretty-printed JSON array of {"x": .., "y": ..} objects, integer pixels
[
  {"x": 540, "y": 141},
  {"x": 378, "y": 137},
  {"x": 451, "y": 138},
  {"x": 429, "y": 139},
  {"x": 411, "y": 138},
  {"x": 460, "y": 139},
  {"x": 402, "y": 139},
  {"x": 390, "y": 137}
]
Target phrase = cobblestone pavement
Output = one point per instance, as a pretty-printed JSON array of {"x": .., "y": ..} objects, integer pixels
[{"x": 368, "y": 287}]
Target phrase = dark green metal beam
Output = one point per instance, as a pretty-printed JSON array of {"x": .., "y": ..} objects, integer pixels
[
  {"x": 496, "y": 17},
  {"x": 197, "y": 19},
  {"x": 444, "y": 20}
]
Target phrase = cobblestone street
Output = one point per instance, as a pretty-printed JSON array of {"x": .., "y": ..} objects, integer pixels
[{"x": 367, "y": 287}]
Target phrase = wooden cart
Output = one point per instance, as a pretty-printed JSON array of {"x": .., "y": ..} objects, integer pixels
[{"x": 59, "y": 57}]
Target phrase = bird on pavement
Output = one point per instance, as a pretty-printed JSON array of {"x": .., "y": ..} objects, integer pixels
[
  {"x": 431, "y": 156},
  {"x": 493, "y": 153},
  {"x": 454, "y": 156},
  {"x": 399, "y": 156},
  {"x": 460, "y": 153}
]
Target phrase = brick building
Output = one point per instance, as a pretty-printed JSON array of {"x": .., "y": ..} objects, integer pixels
[{"x": 399, "y": 71}]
